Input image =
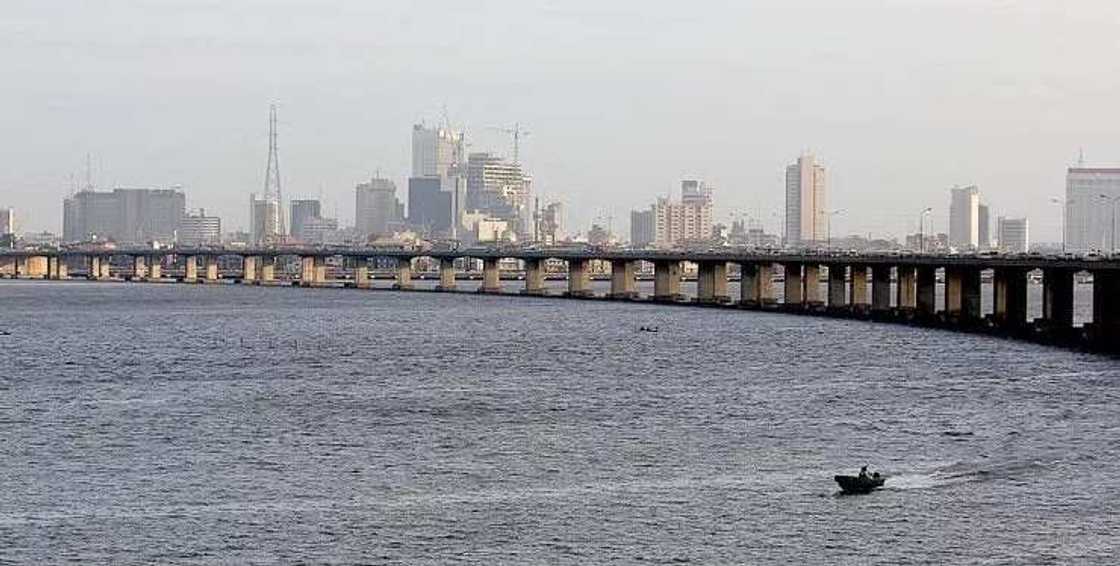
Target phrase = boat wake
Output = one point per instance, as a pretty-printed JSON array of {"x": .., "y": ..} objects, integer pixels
[{"x": 962, "y": 473}]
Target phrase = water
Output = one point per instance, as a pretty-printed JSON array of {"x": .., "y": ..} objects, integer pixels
[{"x": 224, "y": 424}]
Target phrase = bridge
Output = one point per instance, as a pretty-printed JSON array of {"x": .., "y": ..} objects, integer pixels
[{"x": 882, "y": 287}]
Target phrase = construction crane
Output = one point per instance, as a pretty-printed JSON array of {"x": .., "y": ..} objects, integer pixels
[{"x": 517, "y": 134}]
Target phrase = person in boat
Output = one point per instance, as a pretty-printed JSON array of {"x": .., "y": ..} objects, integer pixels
[{"x": 863, "y": 473}]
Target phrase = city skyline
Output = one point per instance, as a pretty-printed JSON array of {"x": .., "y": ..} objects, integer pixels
[{"x": 341, "y": 122}]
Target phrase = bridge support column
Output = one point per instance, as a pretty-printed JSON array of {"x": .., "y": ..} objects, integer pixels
[
  {"x": 190, "y": 269},
  {"x": 249, "y": 269},
  {"x": 579, "y": 278},
  {"x": 667, "y": 280},
  {"x": 1009, "y": 297},
  {"x": 491, "y": 276},
  {"x": 1057, "y": 298},
  {"x": 906, "y": 297},
  {"x": 37, "y": 267},
  {"x": 104, "y": 272},
  {"x": 711, "y": 282},
  {"x": 267, "y": 271},
  {"x": 139, "y": 268},
  {"x": 361, "y": 274},
  {"x": 1106, "y": 306},
  {"x": 756, "y": 284},
  {"x": 812, "y": 278},
  {"x": 446, "y": 274},
  {"x": 858, "y": 289},
  {"x": 211, "y": 263},
  {"x": 927, "y": 291},
  {"x": 155, "y": 268},
  {"x": 622, "y": 280},
  {"x": 56, "y": 268},
  {"x": 793, "y": 293},
  {"x": 8, "y": 266},
  {"x": 880, "y": 288},
  {"x": 962, "y": 293},
  {"x": 837, "y": 287},
  {"x": 534, "y": 277},
  {"x": 21, "y": 267},
  {"x": 404, "y": 274}
]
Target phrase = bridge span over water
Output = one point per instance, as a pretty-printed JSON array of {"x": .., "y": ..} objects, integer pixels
[{"x": 885, "y": 287}]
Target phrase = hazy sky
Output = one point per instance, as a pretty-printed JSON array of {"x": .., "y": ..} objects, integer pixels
[{"x": 899, "y": 99}]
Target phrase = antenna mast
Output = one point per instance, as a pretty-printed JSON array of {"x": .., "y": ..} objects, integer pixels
[{"x": 272, "y": 190}]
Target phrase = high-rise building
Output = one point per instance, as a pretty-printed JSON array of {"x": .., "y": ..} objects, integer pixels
[
  {"x": 806, "y": 202},
  {"x": 500, "y": 189},
  {"x": 319, "y": 230},
  {"x": 642, "y": 228},
  {"x": 1092, "y": 195},
  {"x": 1013, "y": 234},
  {"x": 303, "y": 211},
  {"x": 264, "y": 220},
  {"x": 123, "y": 215},
  {"x": 377, "y": 210},
  {"x": 983, "y": 226},
  {"x": 551, "y": 229},
  {"x": 964, "y": 217},
  {"x": 435, "y": 151},
  {"x": 669, "y": 223},
  {"x": 7, "y": 221},
  {"x": 429, "y": 207},
  {"x": 199, "y": 229}
]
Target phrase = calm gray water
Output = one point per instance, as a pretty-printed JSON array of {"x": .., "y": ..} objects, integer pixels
[{"x": 224, "y": 424}]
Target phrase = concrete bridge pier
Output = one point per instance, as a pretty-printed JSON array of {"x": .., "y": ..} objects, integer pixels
[
  {"x": 56, "y": 268},
  {"x": 622, "y": 280},
  {"x": 837, "y": 287},
  {"x": 98, "y": 267},
  {"x": 190, "y": 269},
  {"x": 858, "y": 289},
  {"x": 812, "y": 278},
  {"x": 446, "y": 274},
  {"x": 667, "y": 281},
  {"x": 579, "y": 278},
  {"x": 404, "y": 274},
  {"x": 1057, "y": 298},
  {"x": 534, "y": 277},
  {"x": 210, "y": 263},
  {"x": 756, "y": 287},
  {"x": 104, "y": 272},
  {"x": 962, "y": 293},
  {"x": 711, "y": 282},
  {"x": 249, "y": 269},
  {"x": 1106, "y": 306},
  {"x": 906, "y": 297},
  {"x": 793, "y": 292},
  {"x": 926, "y": 300},
  {"x": 8, "y": 266},
  {"x": 361, "y": 275},
  {"x": 491, "y": 276},
  {"x": 267, "y": 269},
  {"x": 139, "y": 268},
  {"x": 880, "y": 289},
  {"x": 155, "y": 268},
  {"x": 33, "y": 267},
  {"x": 1009, "y": 297},
  {"x": 313, "y": 271}
]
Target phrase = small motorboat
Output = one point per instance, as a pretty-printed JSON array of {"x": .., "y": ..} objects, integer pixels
[{"x": 856, "y": 484}]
